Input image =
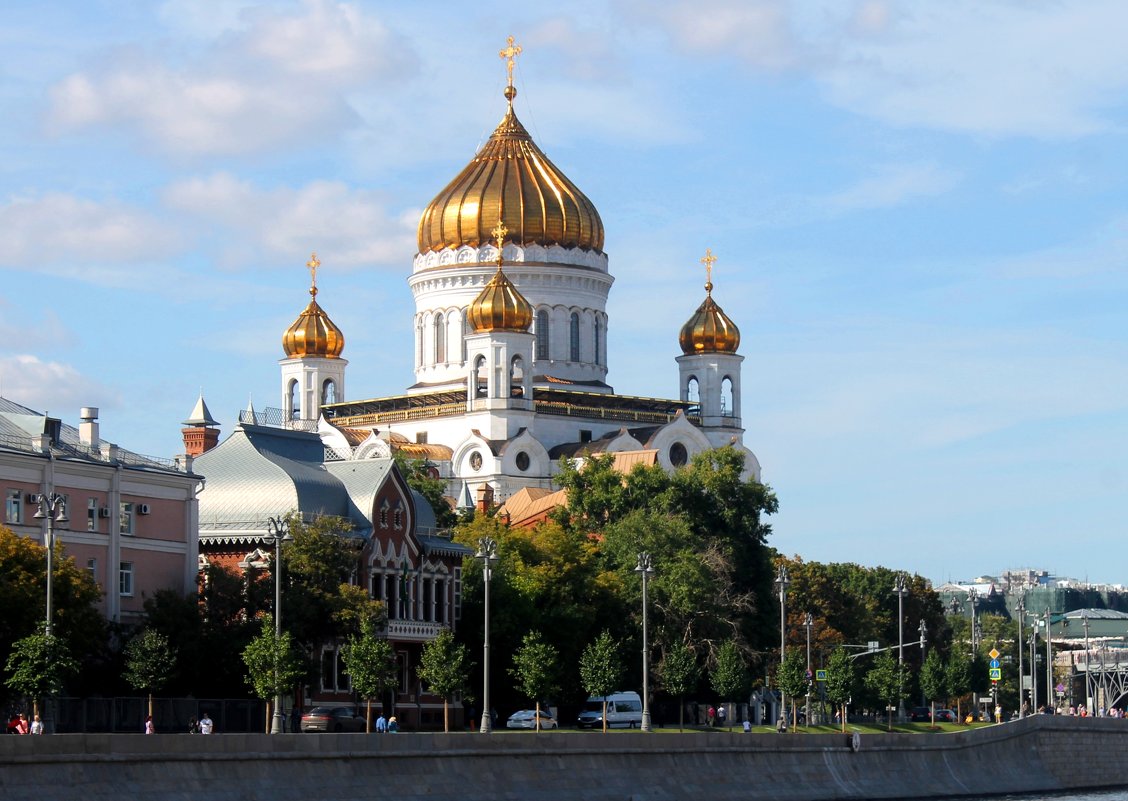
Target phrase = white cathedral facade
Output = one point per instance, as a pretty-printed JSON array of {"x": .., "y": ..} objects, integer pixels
[{"x": 510, "y": 353}]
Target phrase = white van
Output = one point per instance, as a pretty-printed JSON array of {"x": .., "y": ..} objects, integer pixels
[{"x": 623, "y": 709}]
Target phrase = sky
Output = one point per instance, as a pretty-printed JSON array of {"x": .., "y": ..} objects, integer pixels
[{"x": 919, "y": 212}]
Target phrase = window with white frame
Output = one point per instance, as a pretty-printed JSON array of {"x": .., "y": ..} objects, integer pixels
[
  {"x": 125, "y": 517},
  {"x": 458, "y": 593},
  {"x": 125, "y": 578},
  {"x": 13, "y": 508},
  {"x": 92, "y": 514},
  {"x": 92, "y": 569},
  {"x": 334, "y": 677}
]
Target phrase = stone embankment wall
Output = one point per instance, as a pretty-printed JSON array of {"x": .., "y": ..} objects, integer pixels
[{"x": 1039, "y": 754}]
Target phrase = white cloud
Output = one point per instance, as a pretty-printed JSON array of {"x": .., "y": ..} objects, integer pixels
[
  {"x": 280, "y": 78},
  {"x": 756, "y": 31},
  {"x": 50, "y": 386},
  {"x": 889, "y": 186},
  {"x": 62, "y": 233},
  {"x": 347, "y": 227}
]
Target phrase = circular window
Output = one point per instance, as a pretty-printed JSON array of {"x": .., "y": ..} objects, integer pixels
[
  {"x": 678, "y": 455},
  {"x": 475, "y": 461},
  {"x": 522, "y": 461}
]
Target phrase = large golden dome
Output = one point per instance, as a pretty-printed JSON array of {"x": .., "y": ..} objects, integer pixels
[
  {"x": 513, "y": 181},
  {"x": 500, "y": 306},
  {"x": 709, "y": 330},
  {"x": 313, "y": 333}
]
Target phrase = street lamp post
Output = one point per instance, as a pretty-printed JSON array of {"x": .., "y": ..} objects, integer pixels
[
  {"x": 808, "y": 621},
  {"x": 1020, "y": 610},
  {"x": 1085, "y": 624},
  {"x": 645, "y": 569},
  {"x": 487, "y": 552},
  {"x": 279, "y": 532},
  {"x": 782, "y": 581},
  {"x": 53, "y": 509},
  {"x": 973, "y": 597},
  {"x": 1049, "y": 664},
  {"x": 900, "y": 589},
  {"x": 923, "y": 629}
]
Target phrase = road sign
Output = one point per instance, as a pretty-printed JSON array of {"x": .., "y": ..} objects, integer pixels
[
  {"x": 994, "y": 663},
  {"x": 1060, "y": 688},
  {"x": 995, "y": 674},
  {"x": 820, "y": 675},
  {"x": 993, "y": 653}
]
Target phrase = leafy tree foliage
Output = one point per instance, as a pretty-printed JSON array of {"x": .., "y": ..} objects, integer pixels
[
  {"x": 149, "y": 662},
  {"x": 934, "y": 680},
  {"x": 419, "y": 478},
  {"x": 729, "y": 676},
  {"x": 885, "y": 680},
  {"x": 535, "y": 668},
  {"x": 273, "y": 664},
  {"x": 23, "y": 598},
  {"x": 841, "y": 681},
  {"x": 792, "y": 679},
  {"x": 39, "y": 665},
  {"x": 444, "y": 667},
  {"x": 678, "y": 673},
  {"x": 371, "y": 664},
  {"x": 959, "y": 679},
  {"x": 601, "y": 669}
]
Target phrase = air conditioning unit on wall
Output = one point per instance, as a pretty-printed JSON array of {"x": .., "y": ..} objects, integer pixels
[
  {"x": 104, "y": 512},
  {"x": 142, "y": 508},
  {"x": 32, "y": 497}
]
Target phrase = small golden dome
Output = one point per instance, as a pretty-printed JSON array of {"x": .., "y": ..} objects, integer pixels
[
  {"x": 709, "y": 330},
  {"x": 500, "y": 306},
  {"x": 511, "y": 180},
  {"x": 313, "y": 333}
]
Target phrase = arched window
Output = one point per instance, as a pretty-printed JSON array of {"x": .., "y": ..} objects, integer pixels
[
  {"x": 478, "y": 378},
  {"x": 598, "y": 340},
  {"x": 692, "y": 390},
  {"x": 328, "y": 391},
  {"x": 574, "y": 337},
  {"x": 516, "y": 377},
  {"x": 726, "y": 398},
  {"x": 419, "y": 342},
  {"x": 294, "y": 400},
  {"x": 541, "y": 334},
  {"x": 465, "y": 332},
  {"x": 440, "y": 338}
]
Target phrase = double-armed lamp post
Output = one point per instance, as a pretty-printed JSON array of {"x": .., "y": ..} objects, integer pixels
[
  {"x": 278, "y": 532},
  {"x": 53, "y": 509},
  {"x": 644, "y": 569},
  {"x": 487, "y": 552}
]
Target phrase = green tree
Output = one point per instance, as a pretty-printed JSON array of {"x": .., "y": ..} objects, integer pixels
[
  {"x": 841, "y": 681},
  {"x": 958, "y": 678},
  {"x": 444, "y": 667},
  {"x": 371, "y": 665},
  {"x": 149, "y": 663},
  {"x": 729, "y": 676},
  {"x": 535, "y": 668},
  {"x": 933, "y": 680},
  {"x": 792, "y": 679},
  {"x": 273, "y": 665},
  {"x": 678, "y": 673},
  {"x": 601, "y": 669},
  {"x": 422, "y": 478},
  {"x": 885, "y": 680},
  {"x": 39, "y": 665}
]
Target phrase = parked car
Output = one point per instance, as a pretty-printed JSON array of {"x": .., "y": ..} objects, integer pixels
[
  {"x": 945, "y": 716},
  {"x": 527, "y": 719},
  {"x": 919, "y": 713},
  {"x": 332, "y": 718},
  {"x": 623, "y": 709}
]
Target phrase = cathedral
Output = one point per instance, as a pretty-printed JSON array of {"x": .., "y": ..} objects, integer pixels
[{"x": 511, "y": 343}]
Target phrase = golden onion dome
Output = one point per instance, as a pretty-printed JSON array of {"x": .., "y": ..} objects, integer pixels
[
  {"x": 511, "y": 180},
  {"x": 500, "y": 306},
  {"x": 313, "y": 333},
  {"x": 709, "y": 330}
]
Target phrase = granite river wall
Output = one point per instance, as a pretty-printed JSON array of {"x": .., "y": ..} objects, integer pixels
[{"x": 1042, "y": 754}]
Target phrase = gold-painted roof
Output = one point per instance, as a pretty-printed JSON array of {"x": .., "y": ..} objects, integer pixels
[
  {"x": 500, "y": 306},
  {"x": 313, "y": 333},
  {"x": 709, "y": 330},
  {"x": 511, "y": 180}
]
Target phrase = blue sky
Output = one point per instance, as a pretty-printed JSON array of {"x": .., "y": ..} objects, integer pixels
[{"x": 919, "y": 210}]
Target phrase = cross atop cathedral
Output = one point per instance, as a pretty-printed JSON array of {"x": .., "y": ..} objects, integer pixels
[
  {"x": 500, "y": 231},
  {"x": 708, "y": 260},
  {"x": 313, "y": 264},
  {"x": 510, "y": 54}
]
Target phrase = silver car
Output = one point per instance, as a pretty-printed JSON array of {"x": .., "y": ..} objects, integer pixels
[{"x": 527, "y": 719}]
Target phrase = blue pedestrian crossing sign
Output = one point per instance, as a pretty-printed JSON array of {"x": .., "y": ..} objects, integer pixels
[
  {"x": 996, "y": 674},
  {"x": 820, "y": 675}
]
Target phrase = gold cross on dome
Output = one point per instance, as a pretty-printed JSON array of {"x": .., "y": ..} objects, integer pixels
[
  {"x": 708, "y": 260},
  {"x": 510, "y": 54},
  {"x": 499, "y": 233}
]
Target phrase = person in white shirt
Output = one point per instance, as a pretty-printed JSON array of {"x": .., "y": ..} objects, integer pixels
[
  {"x": 37, "y": 725},
  {"x": 206, "y": 724}
]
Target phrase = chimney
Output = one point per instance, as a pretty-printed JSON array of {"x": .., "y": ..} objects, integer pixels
[
  {"x": 88, "y": 428},
  {"x": 485, "y": 498}
]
